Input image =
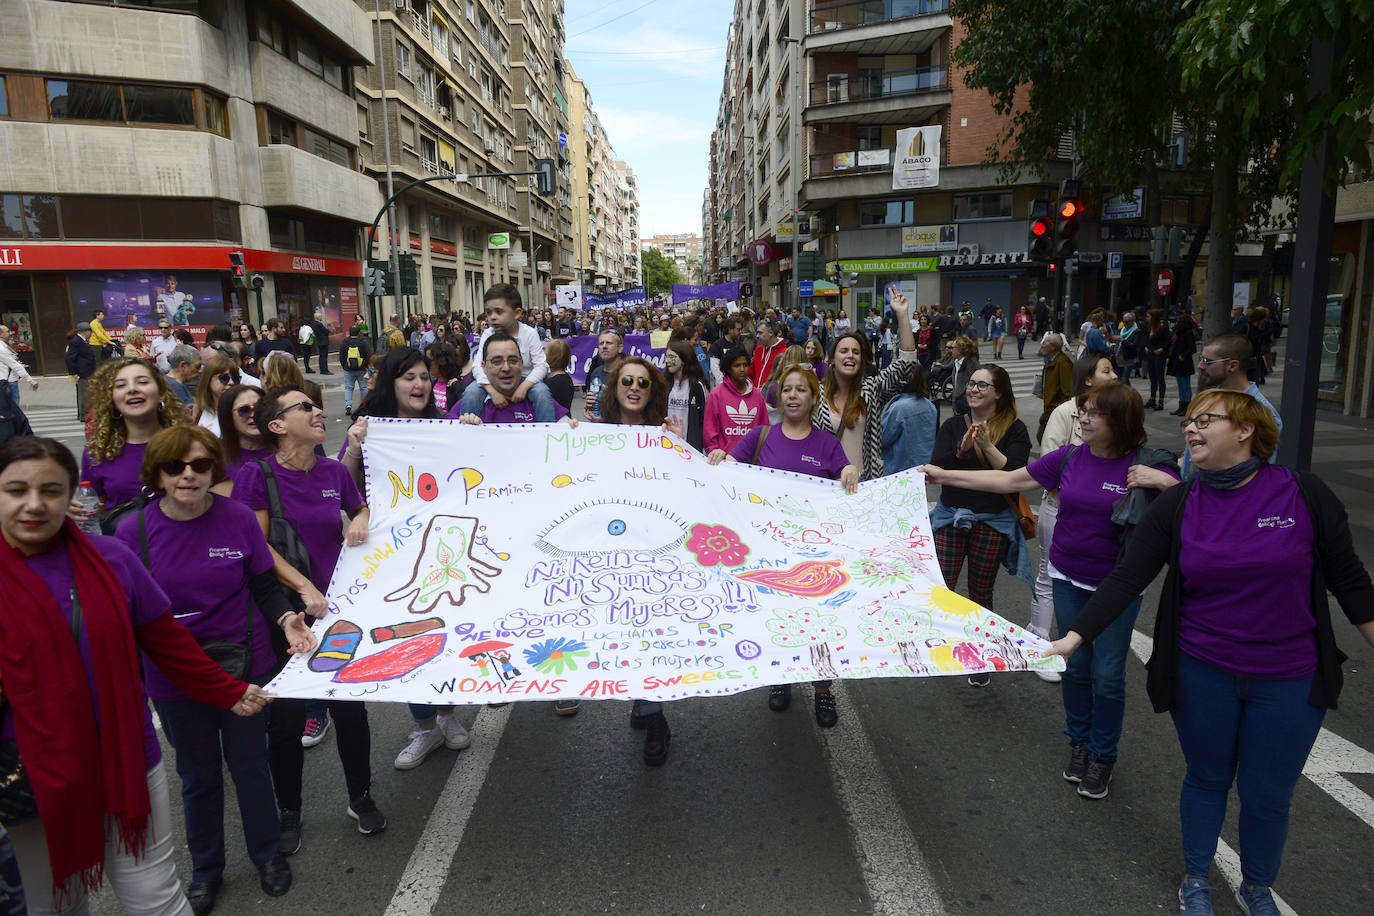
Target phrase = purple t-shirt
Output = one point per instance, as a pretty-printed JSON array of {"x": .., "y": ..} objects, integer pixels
[
  {"x": 819, "y": 454},
  {"x": 1246, "y": 560},
  {"x": 311, "y": 501},
  {"x": 203, "y": 565},
  {"x": 246, "y": 456},
  {"x": 1089, "y": 485},
  {"x": 516, "y": 412},
  {"x": 146, "y": 603},
  {"x": 116, "y": 481}
]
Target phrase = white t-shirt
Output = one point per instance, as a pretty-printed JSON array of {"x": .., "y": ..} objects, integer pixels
[{"x": 679, "y": 397}]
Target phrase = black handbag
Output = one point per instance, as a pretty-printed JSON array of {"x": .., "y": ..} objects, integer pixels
[
  {"x": 17, "y": 801},
  {"x": 236, "y": 658},
  {"x": 111, "y": 519},
  {"x": 281, "y": 534}
]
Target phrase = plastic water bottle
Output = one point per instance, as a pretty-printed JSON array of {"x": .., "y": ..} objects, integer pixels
[{"x": 89, "y": 500}]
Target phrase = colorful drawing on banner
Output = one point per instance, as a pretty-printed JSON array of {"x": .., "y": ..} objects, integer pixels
[
  {"x": 716, "y": 545},
  {"x": 397, "y": 661},
  {"x": 810, "y": 579},
  {"x": 520, "y": 562},
  {"x": 445, "y": 566}
]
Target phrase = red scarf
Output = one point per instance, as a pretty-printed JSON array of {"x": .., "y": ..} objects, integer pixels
[{"x": 80, "y": 774}]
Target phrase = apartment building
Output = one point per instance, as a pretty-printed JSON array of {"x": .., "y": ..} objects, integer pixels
[
  {"x": 145, "y": 142},
  {"x": 605, "y": 198},
  {"x": 627, "y": 187},
  {"x": 684, "y": 249},
  {"x": 868, "y": 70}
]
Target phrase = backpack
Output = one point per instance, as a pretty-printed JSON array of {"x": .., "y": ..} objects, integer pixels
[{"x": 352, "y": 355}]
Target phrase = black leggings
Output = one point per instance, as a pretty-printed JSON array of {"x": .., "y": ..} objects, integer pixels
[
  {"x": 1157, "y": 378},
  {"x": 352, "y": 737}
]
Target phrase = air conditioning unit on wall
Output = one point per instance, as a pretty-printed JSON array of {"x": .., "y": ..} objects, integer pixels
[{"x": 971, "y": 250}]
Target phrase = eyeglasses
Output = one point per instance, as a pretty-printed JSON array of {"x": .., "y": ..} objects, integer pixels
[
  {"x": 246, "y": 410},
  {"x": 629, "y": 381},
  {"x": 227, "y": 378},
  {"x": 979, "y": 386},
  {"x": 303, "y": 406},
  {"x": 199, "y": 465},
  {"x": 1207, "y": 361},
  {"x": 1203, "y": 420},
  {"x": 506, "y": 360}
]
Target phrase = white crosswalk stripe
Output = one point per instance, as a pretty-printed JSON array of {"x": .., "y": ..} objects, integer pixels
[{"x": 55, "y": 422}]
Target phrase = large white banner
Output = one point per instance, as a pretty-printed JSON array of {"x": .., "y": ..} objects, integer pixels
[
  {"x": 917, "y": 163},
  {"x": 543, "y": 562},
  {"x": 569, "y": 297}
]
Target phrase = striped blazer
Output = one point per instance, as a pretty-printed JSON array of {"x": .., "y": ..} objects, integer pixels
[{"x": 877, "y": 391}]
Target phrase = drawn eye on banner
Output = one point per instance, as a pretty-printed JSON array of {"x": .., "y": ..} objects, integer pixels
[{"x": 611, "y": 562}]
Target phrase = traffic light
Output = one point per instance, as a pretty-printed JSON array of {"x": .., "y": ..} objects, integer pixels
[
  {"x": 1066, "y": 216},
  {"x": 1159, "y": 240},
  {"x": 378, "y": 276},
  {"x": 236, "y": 267},
  {"x": 545, "y": 177},
  {"x": 1175, "y": 244},
  {"x": 410, "y": 277},
  {"x": 1041, "y": 240}
]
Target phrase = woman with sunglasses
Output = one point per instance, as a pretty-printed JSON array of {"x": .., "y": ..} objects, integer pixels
[
  {"x": 129, "y": 402},
  {"x": 77, "y": 612},
  {"x": 181, "y": 536},
  {"x": 240, "y": 439},
  {"x": 639, "y": 397},
  {"x": 404, "y": 390},
  {"x": 1245, "y": 657},
  {"x": 797, "y": 445},
  {"x": 314, "y": 491},
  {"x": 969, "y": 524},
  {"x": 217, "y": 375},
  {"x": 1090, "y": 480}
]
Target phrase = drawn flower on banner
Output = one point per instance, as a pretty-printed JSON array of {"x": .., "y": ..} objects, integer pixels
[
  {"x": 890, "y": 626},
  {"x": 555, "y": 656},
  {"x": 795, "y": 627},
  {"x": 716, "y": 545}
]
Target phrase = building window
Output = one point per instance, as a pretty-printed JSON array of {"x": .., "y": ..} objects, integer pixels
[
  {"x": 1174, "y": 211},
  {"x": 216, "y": 114},
  {"x": 403, "y": 60},
  {"x": 159, "y": 105},
  {"x": 84, "y": 101},
  {"x": 281, "y": 130},
  {"x": 308, "y": 55},
  {"x": 318, "y": 236},
  {"x": 441, "y": 227},
  {"x": 429, "y": 154},
  {"x": 869, "y": 137},
  {"x": 4, "y": 100},
  {"x": 408, "y": 134},
  {"x": 327, "y": 148},
  {"x": 271, "y": 33},
  {"x": 362, "y": 121},
  {"x": 28, "y": 216},
  {"x": 991, "y": 205},
  {"x": 886, "y": 213}
]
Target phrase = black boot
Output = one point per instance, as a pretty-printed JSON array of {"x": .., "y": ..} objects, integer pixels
[{"x": 1182, "y": 409}]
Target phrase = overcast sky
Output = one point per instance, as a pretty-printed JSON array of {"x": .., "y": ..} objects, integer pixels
[{"x": 654, "y": 71}]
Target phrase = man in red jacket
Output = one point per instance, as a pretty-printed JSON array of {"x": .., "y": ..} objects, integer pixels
[{"x": 769, "y": 348}]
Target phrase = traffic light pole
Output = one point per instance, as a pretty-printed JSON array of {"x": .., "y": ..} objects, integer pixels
[{"x": 377, "y": 323}]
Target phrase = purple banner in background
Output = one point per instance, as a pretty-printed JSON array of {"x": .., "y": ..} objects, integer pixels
[
  {"x": 584, "y": 348},
  {"x": 623, "y": 299},
  {"x": 684, "y": 293}
]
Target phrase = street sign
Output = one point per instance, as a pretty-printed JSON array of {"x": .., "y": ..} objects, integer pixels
[
  {"x": 1114, "y": 260},
  {"x": 1165, "y": 281},
  {"x": 1090, "y": 257},
  {"x": 806, "y": 288},
  {"x": 562, "y": 139}
]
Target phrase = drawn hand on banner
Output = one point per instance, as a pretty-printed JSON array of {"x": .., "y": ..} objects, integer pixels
[{"x": 445, "y": 566}]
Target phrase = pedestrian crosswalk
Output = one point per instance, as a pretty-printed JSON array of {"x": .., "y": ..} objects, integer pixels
[{"x": 55, "y": 422}]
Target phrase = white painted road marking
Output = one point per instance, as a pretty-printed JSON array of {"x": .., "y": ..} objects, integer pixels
[
  {"x": 417, "y": 892},
  {"x": 894, "y": 870}
]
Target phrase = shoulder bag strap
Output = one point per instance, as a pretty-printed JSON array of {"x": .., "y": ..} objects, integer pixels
[
  {"x": 274, "y": 503},
  {"x": 758, "y": 446},
  {"x": 1013, "y": 499},
  {"x": 77, "y": 623}
]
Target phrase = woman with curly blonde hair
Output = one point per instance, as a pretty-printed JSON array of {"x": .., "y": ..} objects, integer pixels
[
  {"x": 216, "y": 376},
  {"x": 135, "y": 343},
  {"x": 130, "y": 402}
]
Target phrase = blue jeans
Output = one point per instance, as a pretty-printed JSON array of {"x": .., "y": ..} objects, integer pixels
[
  {"x": 15, "y": 385},
  {"x": 353, "y": 377},
  {"x": 1185, "y": 388},
  {"x": 423, "y": 714},
  {"x": 197, "y": 732},
  {"x": 11, "y": 885},
  {"x": 1255, "y": 733},
  {"x": 474, "y": 396},
  {"x": 1094, "y": 683}
]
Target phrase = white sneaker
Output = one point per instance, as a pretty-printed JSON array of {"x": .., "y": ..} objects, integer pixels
[
  {"x": 1049, "y": 677},
  {"x": 422, "y": 744},
  {"x": 455, "y": 736}
]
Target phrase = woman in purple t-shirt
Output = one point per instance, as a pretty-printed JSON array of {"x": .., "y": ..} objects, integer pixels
[
  {"x": 212, "y": 560},
  {"x": 238, "y": 434},
  {"x": 314, "y": 490},
  {"x": 795, "y": 445},
  {"x": 1090, "y": 479},
  {"x": 1245, "y": 659},
  {"x": 130, "y": 402}
]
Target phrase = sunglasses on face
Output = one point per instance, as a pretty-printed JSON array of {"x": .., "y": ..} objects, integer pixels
[
  {"x": 227, "y": 378},
  {"x": 302, "y": 406},
  {"x": 245, "y": 410},
  {"x": 629, "y": 381},
  {"x": 175, "y": 468}
]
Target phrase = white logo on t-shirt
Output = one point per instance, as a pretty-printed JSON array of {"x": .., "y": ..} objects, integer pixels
[
  {"x": 225, "y": 553},
  {"x": 742, "y": 415},
  {"x": 809, "y": 460},
  {"x": 330, "y": 494},
  {"x": 1276, "y": 521},
  {"x": 1114, "y": 488}
]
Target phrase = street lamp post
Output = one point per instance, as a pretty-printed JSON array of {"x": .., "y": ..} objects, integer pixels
[{"x": 795, "y": 119}]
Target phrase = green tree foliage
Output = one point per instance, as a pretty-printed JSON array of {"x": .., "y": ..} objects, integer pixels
[{"x": 659, "y": 272}]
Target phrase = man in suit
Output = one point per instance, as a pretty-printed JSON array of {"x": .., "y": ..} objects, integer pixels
[
  {"x": 80, "y": 361},
  {"x": 1058, "y": 386}
]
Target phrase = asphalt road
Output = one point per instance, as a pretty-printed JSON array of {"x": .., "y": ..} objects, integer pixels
[{"x": 930, "y": 797}]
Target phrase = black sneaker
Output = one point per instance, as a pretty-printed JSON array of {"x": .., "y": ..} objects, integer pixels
[
  {"x": 780, "y": 697},
  {"x": 657, "y": 736},
  {"x": 826, "y": 715},
  {"x": 364, "y": 810},
  {"x": 290, "y": 842},
  {"x": 1078, "y": 763},
  {"x": 1096, "y": 779}
]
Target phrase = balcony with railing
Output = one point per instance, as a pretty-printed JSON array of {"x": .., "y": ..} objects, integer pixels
[
  {"x": 876, "y": 25},
  {"x": 889, "y": 97}
]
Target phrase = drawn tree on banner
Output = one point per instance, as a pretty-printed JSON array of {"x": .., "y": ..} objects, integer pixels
[{"x": 793, "y": 628}]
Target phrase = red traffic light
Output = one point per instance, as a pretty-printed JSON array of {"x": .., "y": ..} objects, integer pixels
[
  {"x": 1041, "y": 228},
  {"x": 1070, "y": 208}
]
